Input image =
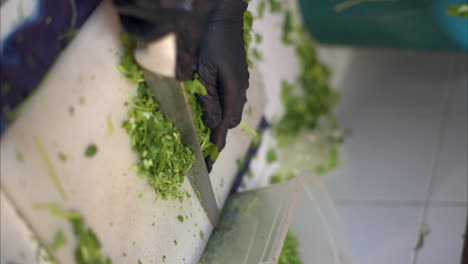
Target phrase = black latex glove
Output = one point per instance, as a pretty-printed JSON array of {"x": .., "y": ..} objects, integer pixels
[
  {"x": 222, "y": 68},
  {"x": 148, "y": 20}
]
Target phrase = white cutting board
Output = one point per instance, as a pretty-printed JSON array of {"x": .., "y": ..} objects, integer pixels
[{"x": 104, "y": 188}]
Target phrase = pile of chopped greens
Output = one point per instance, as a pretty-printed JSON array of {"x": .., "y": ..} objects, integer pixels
[
  {"x": 163, "y": 159},
  {"x": 290, "y": 252},
  {"x": 309, "y": 100}
]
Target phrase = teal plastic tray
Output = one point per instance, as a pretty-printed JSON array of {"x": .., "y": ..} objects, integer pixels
[{"x": 411, "y": 24}]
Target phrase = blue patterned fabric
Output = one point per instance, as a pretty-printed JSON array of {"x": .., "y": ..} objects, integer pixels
[{"x": 29, "y": 51}]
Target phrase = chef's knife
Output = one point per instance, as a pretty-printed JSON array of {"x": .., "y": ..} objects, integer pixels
[{"x": 158, "y": 59}]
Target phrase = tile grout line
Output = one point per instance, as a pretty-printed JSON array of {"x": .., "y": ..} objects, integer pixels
[
  {"x": 346, "y": 201},
  {"x": 423, "y": 230}
]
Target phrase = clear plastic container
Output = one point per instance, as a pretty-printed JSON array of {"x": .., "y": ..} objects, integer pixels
[{"x": 254, "y": 224}]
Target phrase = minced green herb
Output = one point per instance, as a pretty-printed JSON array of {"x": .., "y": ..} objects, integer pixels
[
  {"x": 193, "y": 89},
  {"x": 110, "y": 125},
  {"x": 249, "y": 174},
  {"x": 20, "y": 157},
  {"x": 248, "y": 24},
  {"x": 88, "y": 246},
  {"x": 5, "y": 89},
  {"x": 261, "y": 9},
  {"x": 257, "y": 54},
  {"x": 48, "y": 20},
  {"x": 71, "y": 110},
  {"x": 460, "y": 11},
  {"x": 310, "y": 98},
  {"x": 281, "y": 177},
  {"x": 91, "y": 150},
  {"x": 241, "y": 163},
  {"x": 248, "y": 129},
  {"x": 50, "y": 167},
  {"x": 287, "y": 28},
  {"x": 62, "y": 157},
  {"x": 202, "y": 235},
  {"x": 82, "y": 101},
  {"x": 271, "y": 156},
  {"x": 180, "y": 218},
  {"x": 290, "y": 251},
  {"x": 88, "y": 250},
  {"x": 275, "y": 6},
  {"x": 258, "y": 38},
  {"x": 59, "y": 240},
  {"x": 163, "y": 159},
  {"x": 175, "y": 242},
  {"x": 56, "y": 210}
]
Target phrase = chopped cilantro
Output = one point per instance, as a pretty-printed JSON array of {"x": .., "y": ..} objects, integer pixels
[
  {"x": 88, "y": 246},
  {"x": 249, "y": 174},
  {"x": 71, "y": 110},
  {"x": 271, "y": 156},
  {"x": 56, "y": 210},
  {"x": 20, "y": 157},
  {"x": 202, "y": 235},
  {"x": 310, "y": 98},
  {"x": 248, "y": 24},
  {"x": 287, "y": 28},
  {"x": 261, "y": 9},
  {"x": 163, "y": 159},
  {"x": 48, "y": 20},
  {"x": 59, "y": 240},
  {"x": 290, "y": 251},
  {"x": 62, "y": 157},
  {"x": 91, "y": 150},
  {"x": 110, "y": 125},
  {"x": 88, "y": 249},
  {"x": 50, "y": 167},
  {"x": 248, "y": 129},
  {"x": 257, "y": 54},
  {"x": 175, "y": 242},
  {"x": 5, "y": 89},
  {"x": 281, "y": 177},
  {"x": 82, "y": 100},
  {"x": 193, "y": 89},
  {"x": 275, "y": 6},
  {"x": 460, "y": 11},
  {"x": 180, "y": 218}
]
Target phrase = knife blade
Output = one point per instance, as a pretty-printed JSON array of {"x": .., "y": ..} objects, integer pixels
[{"x": 158, "y": 61}]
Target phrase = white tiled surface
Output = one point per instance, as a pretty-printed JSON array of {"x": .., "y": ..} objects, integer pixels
[
  {"x": 450, "y": 183},
  {"x": 408, "y": 149},
  {"x": 444, "y": 242},
  {"x": 388, "y": 157},
  {"x": 404, "y": 164},
  {"x": 380, "y": 234}
]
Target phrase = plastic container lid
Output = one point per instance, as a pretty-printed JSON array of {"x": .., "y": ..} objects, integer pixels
[{"x": 254, "y": 224}]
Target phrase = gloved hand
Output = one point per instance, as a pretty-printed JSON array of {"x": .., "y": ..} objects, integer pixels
[
  {"x": 221, "y": 63},
  {"x": 149, "y": 20},
  {"x": 222, "y": 68}
]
